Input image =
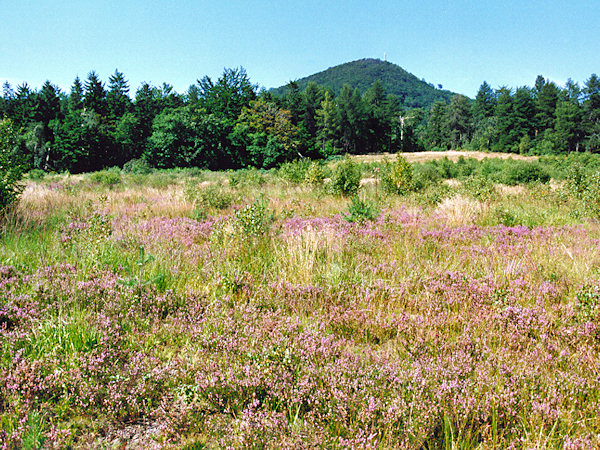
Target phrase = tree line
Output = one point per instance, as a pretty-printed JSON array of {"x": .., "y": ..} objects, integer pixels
[
  {"x": 228, "y": 123},
  {"x": 543, "y": 119}
]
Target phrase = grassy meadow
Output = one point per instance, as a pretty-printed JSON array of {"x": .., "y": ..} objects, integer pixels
[{"x": 445, "y": 304}]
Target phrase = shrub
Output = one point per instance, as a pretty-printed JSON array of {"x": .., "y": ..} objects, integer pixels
[
  {"x": 466, "y": 167},
  {"x": 36, "y": 174},
  {"x": 591, "y": 195},
  {"x": 577, "y": 182},
  {"x": 588, "y": 302},
  {"x": 11, "y": 168},
  {"x": 523, "y": 172},
  {"x": 361, "y": 210},
  {"x": 446, "y": 168},
  {"x": 346, "y": 178},
  {"x": 314, "y": 174},
  {"x": 479, "y": 188},
  {"x": 434, "y": 194},
  {"x": 137, "y": 166},
  {"x": 294, "y": 171},
  {"x": 161, "y": 179},
  {"x": 397, "y": 177},
  {"x": 425, "y": 175},
  {"x": 246, "y": 177},
  {"x": 106, "y": 178},
  {"x": 254, "y": 220},
  {"x": 211, "y": 196}
]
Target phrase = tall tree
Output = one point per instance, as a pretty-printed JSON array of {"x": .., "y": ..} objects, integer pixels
[
  {"x": 485, "y": 101},
  {"x": 146, "y": 107},
  {"x": 436, "y": 133},
  {"x": 76, "y": 96},
  {"x": 524, "y": 112},
  {"x": 117, "y": 97},
  {"x": 268, "y": 133},
  {"x": 168, "y": 97},
  {"x": 48, "y": 107},
  {"x": 545, "y": 106},
  {"x": 352, "y": 119},
  {"x": 311, "y": 102},
  {"x": 378, "y": 119},
  {"x": 23, "y": 106},
  {"x": 94, "y": 97},
  {"x": 293, "y": 102},
  {"x": 568, "y": 131},
  {"x": 591, "y": 112},
  {"x": 328, "y": 122},
  {"x": 8, "y": 97},
  {"x": 232, "y": 91},
  {"x": 459, "y": 121}
]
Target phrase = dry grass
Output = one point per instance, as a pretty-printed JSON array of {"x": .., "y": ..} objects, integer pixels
[
  {"x": 452, "y": 155},
  {"x": 460, "y": 211}
]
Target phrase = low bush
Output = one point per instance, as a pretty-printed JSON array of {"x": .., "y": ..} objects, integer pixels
[
  {"x": 425, "y": 175},
  {"x": 479, "y": 188},
  {"x": 247, "y": 177},
  {"x": 254, "y": 220},
  {"x": 208, "y": 196},
  {"x": 314, "y": 175},
  {"x": 36, "y": 174},
  {"x": 525, "y": 172},
  {"x": 397, "y": 177},
  {"x": 107, "y": 178},
  {"x": 345, "y": 179},
  {"x": 294, "y": 171},
  {"x": 361, "y": 210},
  {"x": 137, "y": 166}
]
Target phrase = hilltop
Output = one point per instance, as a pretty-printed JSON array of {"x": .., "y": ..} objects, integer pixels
[{"x": 361, "y": 74}]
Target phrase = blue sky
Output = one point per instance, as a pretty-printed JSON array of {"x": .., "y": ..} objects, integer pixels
[{"x": 458, "y": 44}]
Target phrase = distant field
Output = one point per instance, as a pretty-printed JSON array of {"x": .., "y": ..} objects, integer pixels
[{"x": 452, "y": 155}]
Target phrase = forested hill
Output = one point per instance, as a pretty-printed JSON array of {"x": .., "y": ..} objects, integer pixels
[{"x": 361, "y": 74}]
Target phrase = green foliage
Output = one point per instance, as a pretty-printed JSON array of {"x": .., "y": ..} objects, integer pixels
[
  {"x": 425, "y": 175},
  {"x": 314, "y": 174},
  {"x": 361, "y": 210},
  {"x": 55, "y": 336},
  {"x": 107, "y": 178},
  {"x": 479, "y": 188},
  {"x": 136, "y": 277},
  {"x": 586, "y": 190},
  {"x": 138, "y": 166},
  {"x": 588, "y": 302},
  {"x": 210, "y": 196},
  {"x": 254, "y": 220},
  {"x": 294, "y": 171},
  {"x": 11, "y": 165},
  {"x": 34, "y": 437},
  {"x": 359, "y": 107},
  {"x": 526, "y": 172},
  {"x": 36, "y": 174},
  {"x": 246, "y": 177},
  {"x": 397, "y": 177},
  {"x": 345, "y": 179}
]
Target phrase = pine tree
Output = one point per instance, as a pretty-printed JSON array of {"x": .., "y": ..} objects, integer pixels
[
  {"x": 591, "y": 113},
  {"x": 485, "y": 101},
  {"x": 76, "y": 96},
  {"x": 545, "y": 106},
  {"x": 94, "y": 97},
  {"x": 117, "y": 98}
]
